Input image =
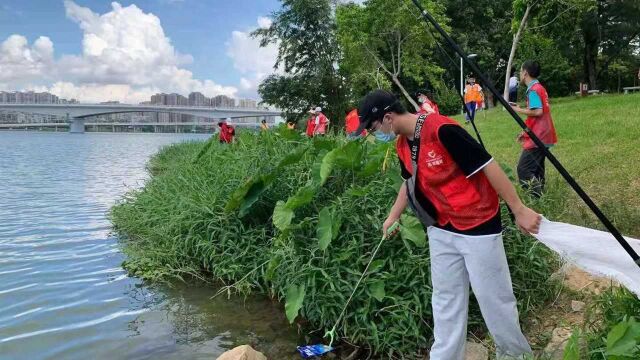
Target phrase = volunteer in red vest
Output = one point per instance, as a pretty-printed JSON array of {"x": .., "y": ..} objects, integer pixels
[
  {"x": 427, "y": 105},
  {"x": 321, "y": 122},
  {"x": 226, "y": 132},
  {"x": 352, "y": 122},
  {"x": 531, "y": 171},
  {"x": 452, "y": 184},
  {"x": 310, "y": 123}
]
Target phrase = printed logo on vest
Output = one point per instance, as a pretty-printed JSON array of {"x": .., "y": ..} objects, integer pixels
[{"x": 434, "y": 159}]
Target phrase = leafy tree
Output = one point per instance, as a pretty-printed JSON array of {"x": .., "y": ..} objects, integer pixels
[
  {"x": 387, "y": 37},
  {"x": 305, "y": 32}
]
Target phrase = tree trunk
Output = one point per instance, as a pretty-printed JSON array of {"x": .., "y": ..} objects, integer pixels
[
  {"x": 404, "y": 92},
  {"x": 589, "y": 25},
  {"x": 512, "y": 54}
]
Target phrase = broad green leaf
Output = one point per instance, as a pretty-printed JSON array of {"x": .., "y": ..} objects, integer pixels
[
  {"x": 292, "y": 158},
  {"x": 349, "y": 156},
  {"x": 254, "y": 192},
  {"x": 572, "y": 349},
  {"x": 294, "y": 300},
  {"x": 237, "y": 197},
  {"x": 326, "y": 167},
  {"x": 377, "y": 290},
  {"x": 282, "y": 216},
  {"x": 317, "y": 164},
  {"x": 411, "y": 229},
  {"x": 325, "y": 228},
  {"x": 303, "y": 196},
  {"x": 622, "y": 339}
]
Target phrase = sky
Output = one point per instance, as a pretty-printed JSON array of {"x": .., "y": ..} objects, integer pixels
[{"x": 95, "y": 50}]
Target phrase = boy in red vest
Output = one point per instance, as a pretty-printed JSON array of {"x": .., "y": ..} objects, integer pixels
[
  {"x": 531, "y": 165},
  {"x": 452, "y": 184}
]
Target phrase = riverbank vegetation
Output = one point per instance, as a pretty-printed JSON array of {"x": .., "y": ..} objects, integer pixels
[{"x": 297, "y": 219}]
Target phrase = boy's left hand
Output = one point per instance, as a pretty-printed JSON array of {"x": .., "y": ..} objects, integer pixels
[{"x": 528, "y": 221}]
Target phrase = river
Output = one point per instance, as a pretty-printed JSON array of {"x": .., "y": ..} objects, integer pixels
[{"x": 63, "y": 293}]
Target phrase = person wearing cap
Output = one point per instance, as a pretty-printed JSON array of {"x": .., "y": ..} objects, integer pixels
[
  {"x": 472, "y": 97},
  {"x": 320, "y": 122},
  {"x": 453, "y": 186},
  {"x": 427, "y": 105}
]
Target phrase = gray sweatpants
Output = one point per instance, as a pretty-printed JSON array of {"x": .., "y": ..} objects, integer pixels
[{"x": 456, "y": 261}]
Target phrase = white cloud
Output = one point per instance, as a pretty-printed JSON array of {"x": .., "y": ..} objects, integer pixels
[
  {"x": 253, "y": 61},
  {"x": 125, "y": 56},
  {"x": 19, "y": 62}
]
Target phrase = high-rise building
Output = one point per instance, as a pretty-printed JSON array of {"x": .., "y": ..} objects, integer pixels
[
  {"x": 198, "y": 99},
  {"x": 223, "y": 101},
  {"x": 247, "y": 104}
]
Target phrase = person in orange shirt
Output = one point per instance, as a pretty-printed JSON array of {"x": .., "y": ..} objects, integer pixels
[{"x": 472, "y": 97}]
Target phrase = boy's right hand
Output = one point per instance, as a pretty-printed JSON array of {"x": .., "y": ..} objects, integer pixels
[{"x": 387, "y": 224}]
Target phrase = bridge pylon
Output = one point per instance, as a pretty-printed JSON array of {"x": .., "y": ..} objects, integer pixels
[{"x": 76, "y": 126}]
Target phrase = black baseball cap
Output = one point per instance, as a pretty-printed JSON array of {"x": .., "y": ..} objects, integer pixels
[{"x": 373, "y": 108}]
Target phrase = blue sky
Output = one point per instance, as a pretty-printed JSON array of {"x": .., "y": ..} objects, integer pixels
[{"x": 199, "y": 28}]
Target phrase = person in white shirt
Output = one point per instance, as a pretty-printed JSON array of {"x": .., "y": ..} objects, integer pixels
[{"x": 513, "y": 87}]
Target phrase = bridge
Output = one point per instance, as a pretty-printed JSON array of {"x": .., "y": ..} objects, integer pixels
[{"x": 76, "y": 114}]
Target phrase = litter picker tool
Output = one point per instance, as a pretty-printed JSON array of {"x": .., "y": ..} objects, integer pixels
[{"x": 320, "y": 349}]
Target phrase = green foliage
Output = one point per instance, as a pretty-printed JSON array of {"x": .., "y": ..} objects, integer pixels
[
  {"x": 304, "y": 238},
  {"x": 382, "y": 38},
  {"x": 304, "y": 31},
  {"x": 294, "y": 301},
  {"x": 623, "y": 340}
]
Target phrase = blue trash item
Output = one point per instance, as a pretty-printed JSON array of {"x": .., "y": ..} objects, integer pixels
[{"x": 310, "y": 351}]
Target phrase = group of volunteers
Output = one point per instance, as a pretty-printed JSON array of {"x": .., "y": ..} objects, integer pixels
[
  {"x": 317, "y": 123},
  {"x": 453, "y": 185}
]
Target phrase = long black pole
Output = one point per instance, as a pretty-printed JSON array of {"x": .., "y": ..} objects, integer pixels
[{"x": 565, "y": 174}]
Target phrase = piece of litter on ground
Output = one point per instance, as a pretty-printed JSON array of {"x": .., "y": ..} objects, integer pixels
[{"x": 310, "y": 351}]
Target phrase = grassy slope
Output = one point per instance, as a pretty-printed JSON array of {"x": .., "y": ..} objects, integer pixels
[{"x": 598, "y": 144}]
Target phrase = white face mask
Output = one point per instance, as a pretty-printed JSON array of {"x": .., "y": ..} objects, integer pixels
[{"x": 422, "y": 100}]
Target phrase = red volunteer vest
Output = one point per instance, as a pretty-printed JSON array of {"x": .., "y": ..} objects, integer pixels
[
  {"x": 310, "y": 126},
  {"x": 541, "y": 125},
  {"x": 463, "y": 202}
]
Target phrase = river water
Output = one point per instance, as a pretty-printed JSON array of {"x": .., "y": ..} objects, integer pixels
[{"x": 63, "y": 293}]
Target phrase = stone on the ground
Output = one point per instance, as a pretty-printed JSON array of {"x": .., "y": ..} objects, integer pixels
[
  {"x": 242, "y": 352},
  {"x": 559, "y": 338},
  {"x": 475, "y": 351},
  {"x": 577, "y": 306}
]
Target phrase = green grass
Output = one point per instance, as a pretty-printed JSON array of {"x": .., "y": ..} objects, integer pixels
[{"x": 598, "y": 143}]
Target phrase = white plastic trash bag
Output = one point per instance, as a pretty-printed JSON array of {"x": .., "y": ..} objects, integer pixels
[{"x": 596, "y": 252}]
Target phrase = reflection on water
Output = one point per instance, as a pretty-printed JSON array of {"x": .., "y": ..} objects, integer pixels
[{"x": 63, "y": 294}]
